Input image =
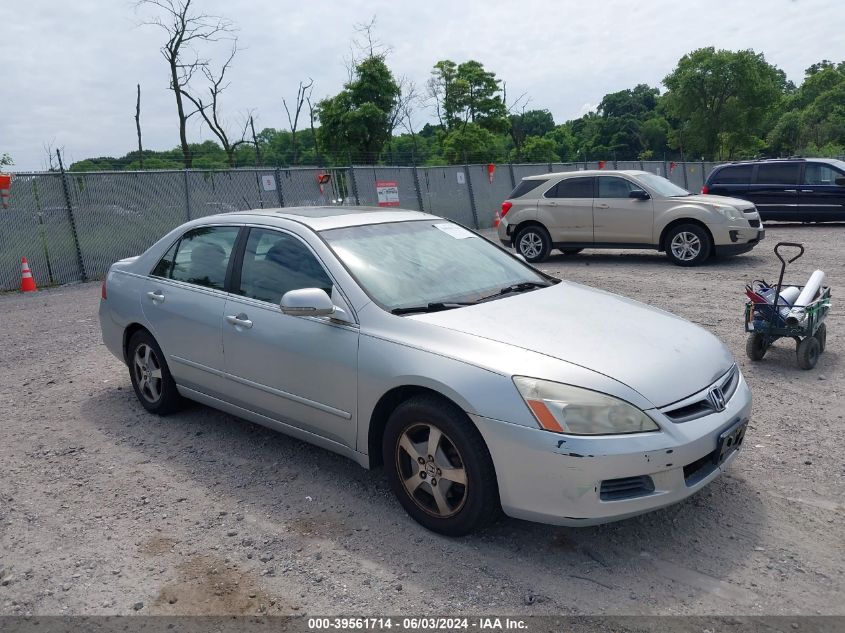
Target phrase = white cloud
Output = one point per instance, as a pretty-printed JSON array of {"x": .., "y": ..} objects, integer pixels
[{"x": 70, "y": 68}]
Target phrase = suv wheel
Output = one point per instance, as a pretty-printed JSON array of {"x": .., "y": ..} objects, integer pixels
[
  {"x": 533, "y": 243},
  {"x": 688, "y": 245}
]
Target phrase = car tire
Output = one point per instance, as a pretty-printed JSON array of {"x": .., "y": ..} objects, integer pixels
[
  {"x": 571, "y": 251},
  {"x": 821, "y": 335},
  {"x": 808, "y": 352},
  {"x": 417, "y": 476},
  {"x": 533, "y": 243},
  {"x": 688, "y": 245},
  {"x": 755, "y": 346},
  {"x": 151, "y": 379}
]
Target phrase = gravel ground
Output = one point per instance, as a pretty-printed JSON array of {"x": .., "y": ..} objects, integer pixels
[{"x": 105, "y": 509}]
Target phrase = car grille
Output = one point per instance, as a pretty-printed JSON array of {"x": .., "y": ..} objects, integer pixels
[
  {"x": 754, "y": 223},
  {"x": 700, "y": 404},
  {"x": 626, "y": 488}
]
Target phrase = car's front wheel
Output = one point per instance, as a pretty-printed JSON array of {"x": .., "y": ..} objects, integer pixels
[
  {"x": 151, "y": 379},
  {"x": 439, "y": 467},
  {"x": 533, "y": 243},
  {"x": 688, "y": 245}
]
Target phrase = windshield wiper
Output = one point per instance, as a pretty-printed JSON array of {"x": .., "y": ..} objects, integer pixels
[
  {"x": 436, "y": 306},
  {"x": 520, "y": 287}
]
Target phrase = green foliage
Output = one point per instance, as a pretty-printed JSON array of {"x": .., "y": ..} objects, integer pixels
[
  {"x": 467, "y": 93},
  {"x": 5, "y": 160},
  {"x": 539, "y": 149},
  {"x": 358, "y": 120},
  {"x": 721, "y": 101},
  {"x": 472, "y": 143}
]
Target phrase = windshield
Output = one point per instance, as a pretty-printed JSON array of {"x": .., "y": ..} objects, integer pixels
[
  {"x": 404, "y": 264},
  {"x": 662, "y": 186}
]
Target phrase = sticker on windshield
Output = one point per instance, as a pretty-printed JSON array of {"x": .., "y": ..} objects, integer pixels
[{"x": 458, "y": 232}]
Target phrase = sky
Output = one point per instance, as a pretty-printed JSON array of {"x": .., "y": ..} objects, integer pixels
[{"x": 69, "y": 69}]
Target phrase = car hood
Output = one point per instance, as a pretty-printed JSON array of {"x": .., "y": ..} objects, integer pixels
[
  {"x": 661, "y": 356},
  {"x": 709, "y": 199}
]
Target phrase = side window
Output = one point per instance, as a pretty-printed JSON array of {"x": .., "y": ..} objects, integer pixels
[
  {"x": 733, "y": 175},
  {"x": 778, "y": 173},
  {"x": 275, "y": 263},
  {"x": 611, "y": 187},
  {"x": 201, "y": 257},
  {"x": 820, "y": 174},
  {"x": 165, "y": 265},
  {"x": 526, "y": 186},
  {"x": 572, "y": 188}
]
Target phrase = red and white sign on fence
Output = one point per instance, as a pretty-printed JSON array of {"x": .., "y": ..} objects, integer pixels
[{"x": 388, "y": 193}]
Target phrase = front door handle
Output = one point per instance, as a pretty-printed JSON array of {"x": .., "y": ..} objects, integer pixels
[
  {"x": 790, "y": 191},
  {"x": 157, "y": 296},
  {"x": 240, "y": 320},
  {"x": 602, "y": 206}
]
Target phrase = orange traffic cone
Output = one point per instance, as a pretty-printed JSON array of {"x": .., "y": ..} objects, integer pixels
[{"x": 27, "y": 282}]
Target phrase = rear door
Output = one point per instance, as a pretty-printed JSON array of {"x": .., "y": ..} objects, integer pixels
[
  {"x": 566, "y": 210},
  {"x": 618, "y": 218},
  {"x": 775, "y": 190},
  {"x": 821, "y": 199},
  {"x": 183, "y": 301}
]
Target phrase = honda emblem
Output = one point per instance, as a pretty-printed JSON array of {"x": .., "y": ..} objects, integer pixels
[{"x": 717, "y": 399}]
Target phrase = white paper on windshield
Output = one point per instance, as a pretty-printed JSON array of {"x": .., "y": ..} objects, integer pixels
[{"x": 458, "y": 232}]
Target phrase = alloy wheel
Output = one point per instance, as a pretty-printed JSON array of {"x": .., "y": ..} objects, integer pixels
[
  {"x": 686, "y": 246},
  {"x": 432, "y": 470},
  {"x": 147, "y": 370},
  {"x": 530, "y": 245}
]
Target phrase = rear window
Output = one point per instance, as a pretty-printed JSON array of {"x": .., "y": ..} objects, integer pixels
[
  {"x": 526, "y": 186},
  {"x": 778, "y": 173},
  {"x": 733, "y": 175},
  {"x": 572, "y": 188}
]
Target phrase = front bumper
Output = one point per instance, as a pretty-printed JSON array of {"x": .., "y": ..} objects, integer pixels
[
  {"x": 737, "y": 239},
  {"x": 557, "y": 479}
]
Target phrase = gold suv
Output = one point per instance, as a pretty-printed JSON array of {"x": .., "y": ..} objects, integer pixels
[{"x": 572, "y": 211}]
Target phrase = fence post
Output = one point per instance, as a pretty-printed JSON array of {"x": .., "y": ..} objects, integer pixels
[
  {"x": 513, "y": 176},
  {"x": 471, "y": 192},
  {"x": 279, "y": 187},
  {"x": 686, "y": 178},
  {"x": 66, "y": 188},
  {"x": 187, "y": 196},
  {"x": 354, "y": 182},
  {"x": 417, "y": 182}
]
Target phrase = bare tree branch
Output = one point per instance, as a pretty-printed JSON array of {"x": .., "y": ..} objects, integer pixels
[{"x": 302, "y": 94}]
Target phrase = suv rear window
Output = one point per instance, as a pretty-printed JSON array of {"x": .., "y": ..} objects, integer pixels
[
  {"x": 733, "y": 175},
  {"x": 525, "y": 186},
  {"x": 778, "y": 173}
]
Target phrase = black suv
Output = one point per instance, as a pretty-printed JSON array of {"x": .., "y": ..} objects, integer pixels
[{"x": 794, "y": 189}]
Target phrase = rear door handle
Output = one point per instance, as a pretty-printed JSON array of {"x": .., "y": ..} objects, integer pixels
[
  {"x": 157, "y": 296},
  {"x": 240, "y": 320},
  {"x": 602, "y": 206},
  {"x": 806, "y": 191},
  {"x": 790, "y": 191}
]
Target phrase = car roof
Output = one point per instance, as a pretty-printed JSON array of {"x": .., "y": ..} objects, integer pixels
[
  {"x": 321, "y": 218},
  {"x": 587, "y": 172},
  {"x": 757, "y": 161}
]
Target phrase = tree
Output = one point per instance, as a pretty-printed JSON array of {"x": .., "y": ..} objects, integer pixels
[
  {"x": 6, "y": 160},
  {"x": 358, "y": 119},
  {"x": 467, "y": 93},
  {"x": 303, "y": 93},
  {"x": 184, "y": 28},
  {"x": 529, "y": 123},
  {"x": 540, "y": 150},
  {"x": 722, "y": 100},
  {"x": 472, "y": 143},
  {"x": 210, "y": 110},
  {"x": 138, "y": 127}
]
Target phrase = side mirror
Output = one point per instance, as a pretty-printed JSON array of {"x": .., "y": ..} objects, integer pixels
[
  {"x": 639, "y": 194},
  {"x": 307, "y": 302},
  {"x": 840, "y": 181}
]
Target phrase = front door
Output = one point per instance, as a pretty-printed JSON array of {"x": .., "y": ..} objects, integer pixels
[
  {"x": 183, "y": 301},
  {"x": 618, "y": 218},
  {"x": 566, "y": 210},
  {"x": 821, "y": 199},
  {"x": 298, "y": 370}
]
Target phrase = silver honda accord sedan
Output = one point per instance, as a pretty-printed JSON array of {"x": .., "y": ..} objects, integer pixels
[{"x": 401, "y": 339}]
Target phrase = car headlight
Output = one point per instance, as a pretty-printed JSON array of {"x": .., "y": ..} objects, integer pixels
[
  {"x": 566, "y": 409},
  {"x": 731, "y": 213}
]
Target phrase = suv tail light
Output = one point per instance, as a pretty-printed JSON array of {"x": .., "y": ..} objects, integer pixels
[
  {"x": 705, "y": 190},
  {"x": 506, "y": 206}
]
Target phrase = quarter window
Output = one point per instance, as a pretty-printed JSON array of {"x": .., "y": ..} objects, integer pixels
[
  {"x": 610, "y": 187},
  {"x": 525, "y": 187},
  {"x": 275, "y": 263},
  {"x": 200, "y": 257},
  {"x": 572, "y": 188},
  {"x": 820, "y": 174},
  {"x": 778, "y": 173},
  {"x": 733, "y": 175}
]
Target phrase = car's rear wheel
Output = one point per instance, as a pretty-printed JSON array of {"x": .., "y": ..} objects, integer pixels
[
  {"x": 439, "y": 467},
  {"x": 151, "y": 379},
  {"x": 688, "y": 245},
  {"x": 533, "y": 243}
]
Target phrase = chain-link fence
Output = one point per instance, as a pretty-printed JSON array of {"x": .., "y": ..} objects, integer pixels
[{"x": 72, "y": 225}]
